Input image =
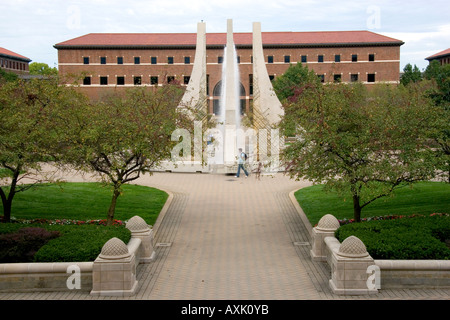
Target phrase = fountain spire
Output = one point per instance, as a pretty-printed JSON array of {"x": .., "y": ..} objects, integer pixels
[
  {"x": 230, "y": 74},
  {"x": 231, "y": 97}
]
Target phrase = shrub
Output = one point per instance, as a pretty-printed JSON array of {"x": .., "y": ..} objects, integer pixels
[
  {"x": 76, "y": 243},
  {"x": 418, "y": 237},
  {"x": 79, "y": 243},
  {"x": 22, "y": 245}
]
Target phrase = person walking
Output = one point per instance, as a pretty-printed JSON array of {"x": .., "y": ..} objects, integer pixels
[{"x": 241, "y": 160}]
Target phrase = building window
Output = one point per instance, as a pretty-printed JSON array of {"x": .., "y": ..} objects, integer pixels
[
  {"x": 137, "y": 60},
  {"x": 271, "y": 77},
  {"x": 85, "y": 60},
  {"x": 170, "y": 79},
  {"x": 354, "y": 58},
  {"x": 250, "y": 84},
  {"x": 371, "y": 57},
  {"x": 219, "y": 60},
  {"x": 321, "y": 77},
  {"x": 186, "y": 79},
  {"x": 287, "y": 59},
  {"x": 371, "y": 77},
  {"x": 337, "y": 77},
  {"x": 154, "y": 80},
  {"x": 137, "y": 81},
  {"x": 354, "y": 77},
  {"x": 238, "y": 59},
  {"x": 304, "y": 59},
  {"x": 87, "y": 81},
  {"x": 102, "y": 60},
  {"x": 270, "y": 59},
  {"x": 120, "y": 81},
  {"x": 104, "y": 81},
  {"x": 153, "y": 60},
  {"x": 187, "y": 60},
  {"x": 170, "y": 60},
  {"x": 119, "y": 60},
  {"x": 337, "y": 58},
  {"x": 320, "y": 58}
]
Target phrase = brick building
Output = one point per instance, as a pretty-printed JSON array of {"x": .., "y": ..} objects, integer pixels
[
  {"x": 13, "y": 62},
  {"x": 111, "y": 61},
  {"x": 443, "y": 57}
]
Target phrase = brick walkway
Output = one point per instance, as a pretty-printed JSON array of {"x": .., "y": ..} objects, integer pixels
[{"x": 232, "y": 238}]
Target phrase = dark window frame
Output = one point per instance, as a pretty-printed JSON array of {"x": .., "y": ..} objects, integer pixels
[
  {"x": 137, "y": 80},
  {"x": 120, "y": 80},
  {"x": 87, "y": 81},
  {"x": 154, "y": 80}
]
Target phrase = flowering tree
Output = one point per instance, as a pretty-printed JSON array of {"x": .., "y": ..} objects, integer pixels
[
  {"x": 122, "y": 136},
  {"x": 359, "y": 141},
  {"x": 27, "y": 135}
]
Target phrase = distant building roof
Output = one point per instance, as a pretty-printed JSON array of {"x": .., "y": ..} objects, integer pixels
[
  {"x": 439, "y": 55},
  {"x": 319, "y": 38},
  {"x": 9, "y": 54}
]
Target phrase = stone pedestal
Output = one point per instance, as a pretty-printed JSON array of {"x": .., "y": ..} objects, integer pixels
[
  {"x": 350, "y": 268},
  {"x": 114, "y": 270},
  {"x": 326, "y": 227},
  {"x": 140, "y": 229}
]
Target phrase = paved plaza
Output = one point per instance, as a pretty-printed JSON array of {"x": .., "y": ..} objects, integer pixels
[{"x": 226, "y": 238}]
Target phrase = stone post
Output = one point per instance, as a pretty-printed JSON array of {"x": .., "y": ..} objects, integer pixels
[
  {"x": 140, "y": 229},
  {"x": 326, "y": 227},
  {"x": 350, "y": 268},
  {"x": 114, "y": 270}
]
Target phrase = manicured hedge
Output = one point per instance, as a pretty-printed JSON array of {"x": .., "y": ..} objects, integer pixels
[
  {"x": 410, "y": 238},
  {"x": 75, "y": 243},
  {"x": 22, "y": 245}
]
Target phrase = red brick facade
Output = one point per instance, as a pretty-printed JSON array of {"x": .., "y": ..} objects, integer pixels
[
  {"x": 13, "y": 62},
  {"x": 443, "y": 57},
  {"x": 109, "y": 65}
]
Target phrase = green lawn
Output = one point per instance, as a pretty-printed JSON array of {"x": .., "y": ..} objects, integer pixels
[
  {"x": 422, "y": 198},
  {"x": 87, "y": 201}
]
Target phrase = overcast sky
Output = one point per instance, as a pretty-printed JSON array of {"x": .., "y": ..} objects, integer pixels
[{"x": 32, "y": 27}]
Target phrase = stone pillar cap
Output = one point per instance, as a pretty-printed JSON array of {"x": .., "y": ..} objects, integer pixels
[
  {"x": 114, "y": 249},
  {"x": 137, "y": 224},
  {"x": 328, "y": 223},
  {"x": 352, "y": 247}
]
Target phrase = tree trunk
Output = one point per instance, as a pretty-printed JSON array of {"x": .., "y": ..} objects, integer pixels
[
  {"x": 7, "y": 200},
  {"x": 7, "y": 205},
  {"x": 112, "y": 207},
  {"x": 356, "y": 205}
]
